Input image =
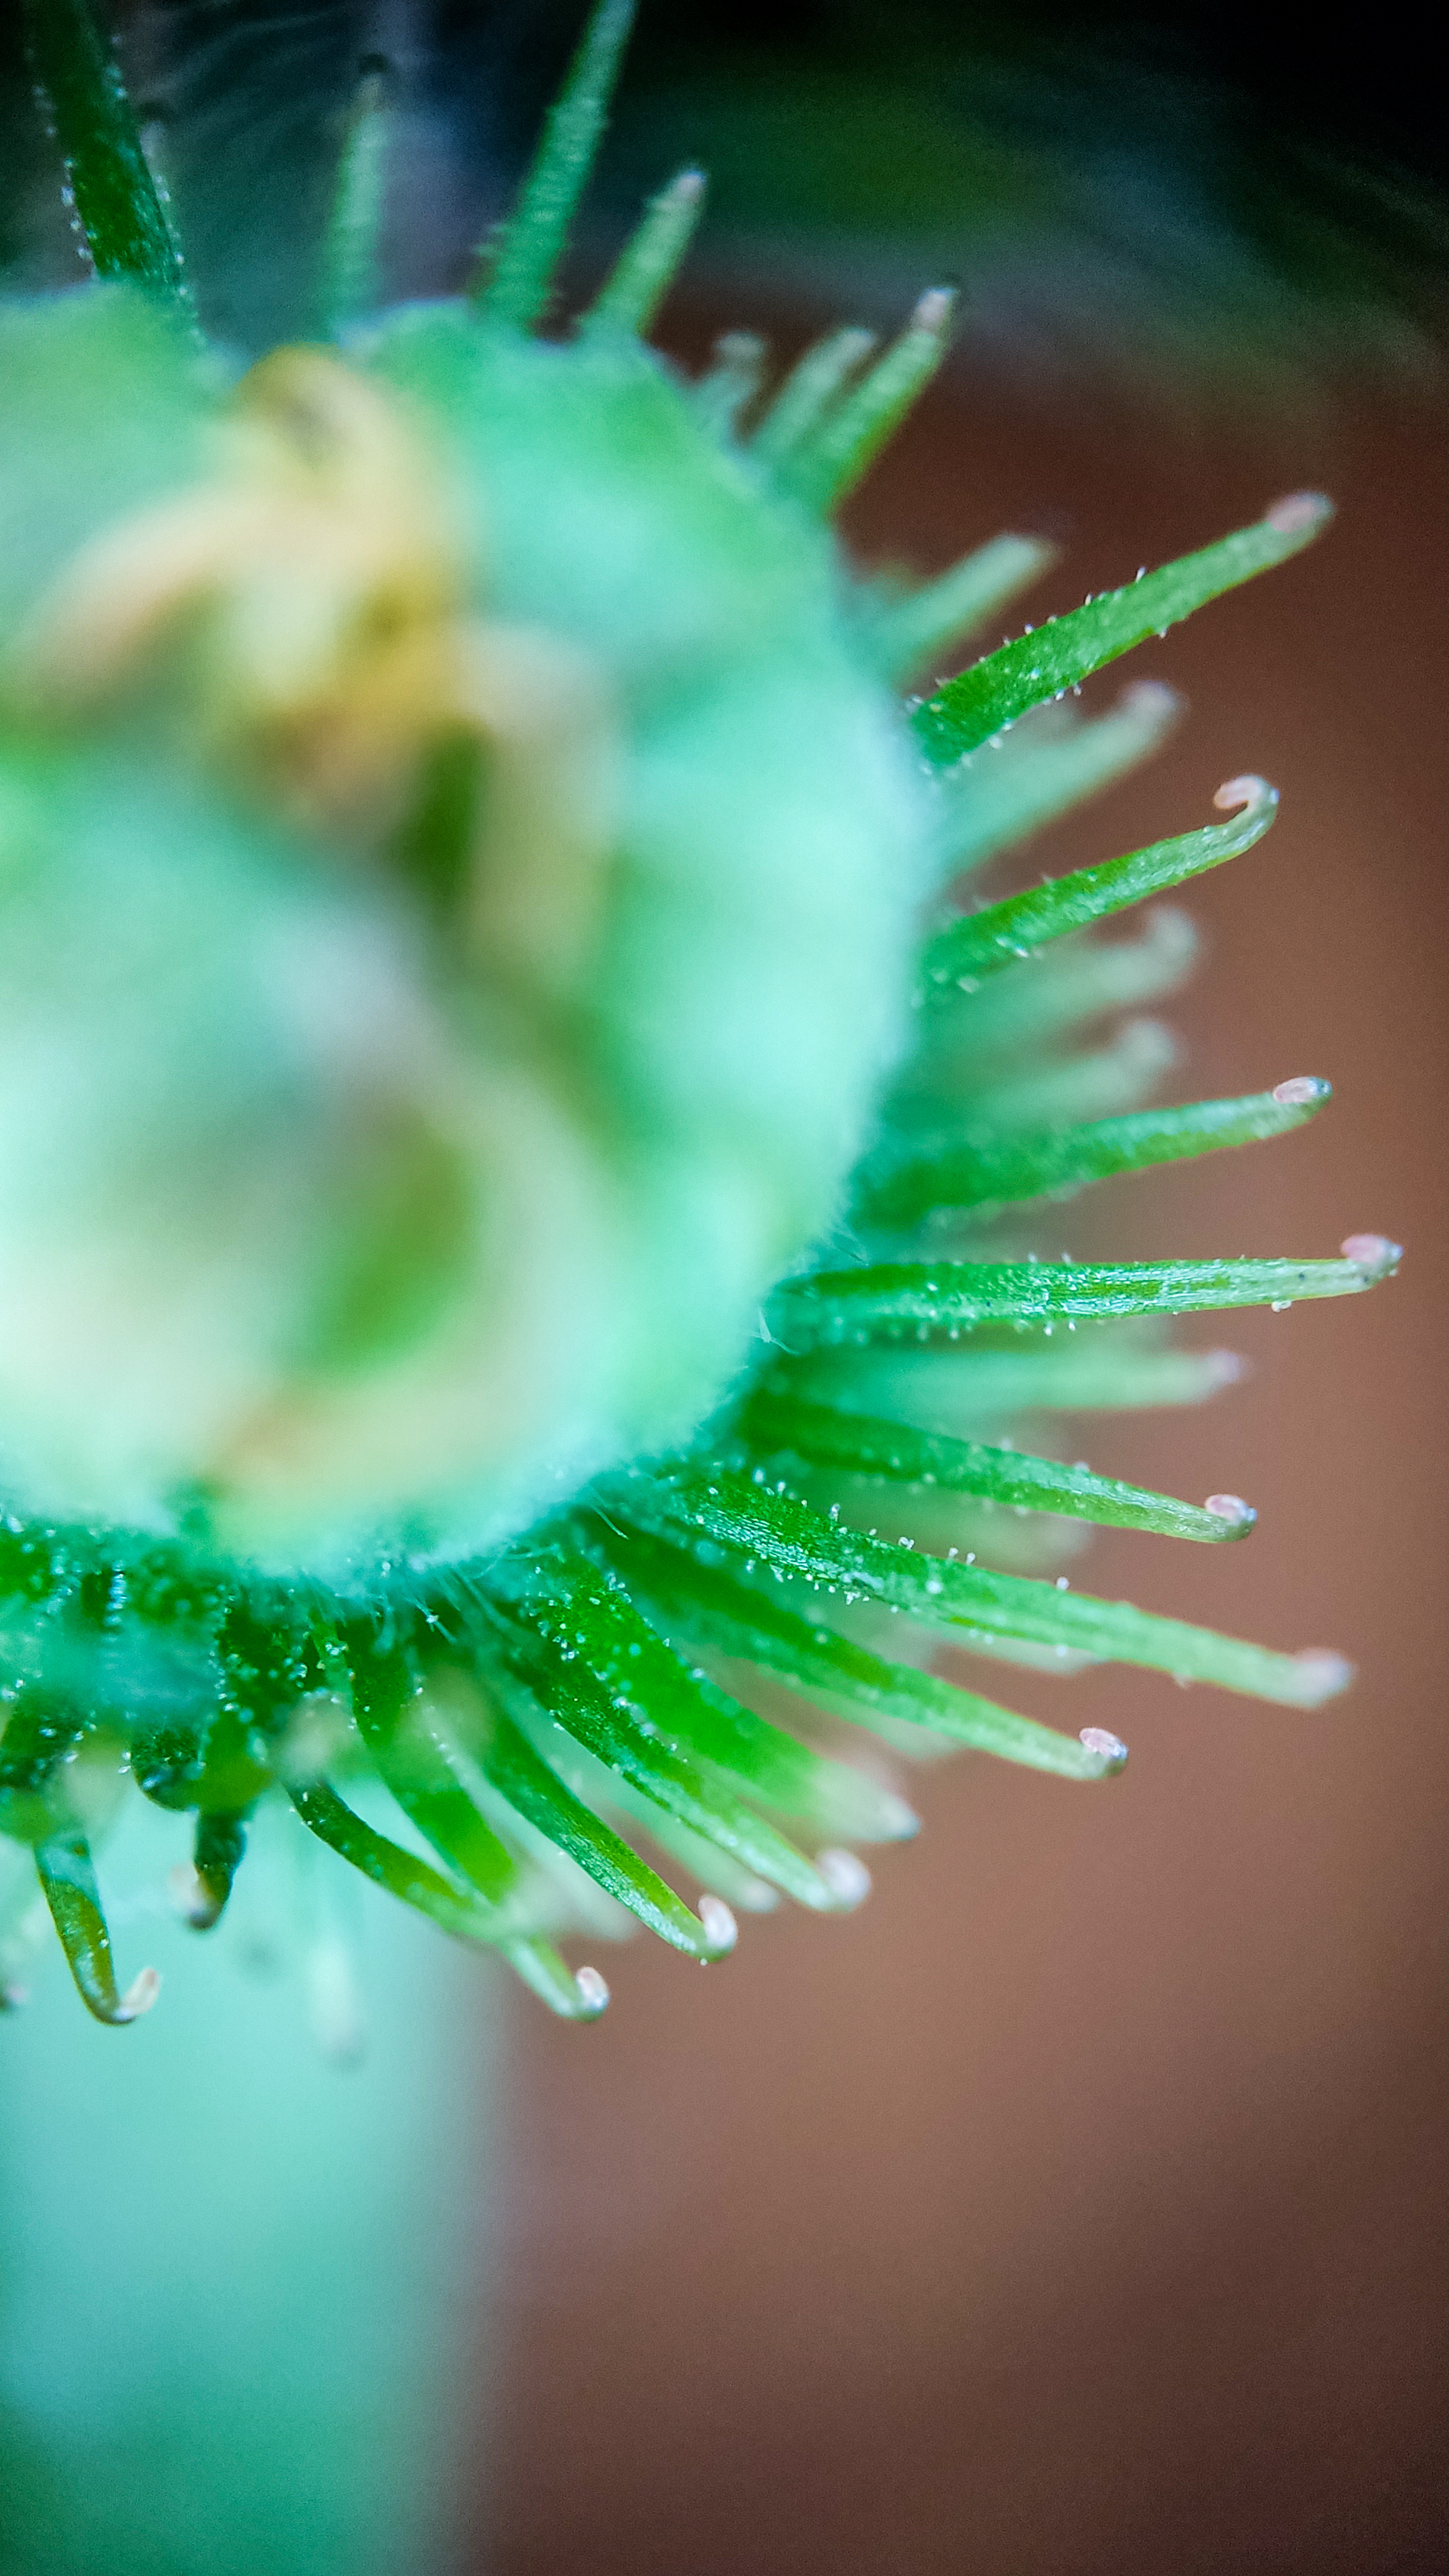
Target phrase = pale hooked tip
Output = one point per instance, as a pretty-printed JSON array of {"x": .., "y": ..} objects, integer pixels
[
  {"x": 1323, "y": 1673},
  {"x": 757, "y": 1896},
  {"x": 687, "y": 189},
  {"x": 593, "y": 1993},
  {"x": 1101, "y": 1741},
  {"x": 1226, "y": 1368},
  {"x": 1167, "y": 926},
  {"x": 846, "y": 1876},
  {"x": 139, "y": 1996},
  {"x": 1152, "y": 700},
  {"x": 1373, "y": 1253},
  {"x": 1300, "y": 1089},
  {"x": 1249, "y": 789},
  {"x": 192, "y": 1901},
  {"x": 1149, "y": 1043},
  {"x": 334, "y": 2003},
  {"x": 1298, "y": 513},
  {"x": 1231, "y": 1508},
  {"x": 934, "y": 309},
  {"x": 721, "y": 1929}
]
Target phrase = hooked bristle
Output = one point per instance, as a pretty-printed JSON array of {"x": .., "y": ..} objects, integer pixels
[{"x": 1298, "y": 514}]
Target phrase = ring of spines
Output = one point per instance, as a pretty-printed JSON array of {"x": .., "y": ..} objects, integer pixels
[{"x": 559, "y": 1692}]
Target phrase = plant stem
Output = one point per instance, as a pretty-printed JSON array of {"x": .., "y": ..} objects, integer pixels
[{"x": 237, "y": 2282}]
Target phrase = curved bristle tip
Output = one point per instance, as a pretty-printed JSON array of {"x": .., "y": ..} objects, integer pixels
[
  {"x": 721, "y": 1929},
  {"x": 1297, "y": 513},
  {"x": 846, "y": 1876},
  {"x": 1323, "y": 1673},
  {"x": 193, "y": 1901},
  {"x": 1107, "y": 1746},
  {"x": 335, "y": 2009},
  {"x": 593, "y": 1993},
  {"x": 1226, "y": 1368},
  {"x": 934, "y": 309},
  {"x": 1246, "y": 790},
  {"x": 1300, "y": 1089},
  {"x": 1373, "y": 1253},
  {"x": 1152, "y": 700},
  {"x": 140, "y": 1995},
  {"x": 757, "y": 1896}
]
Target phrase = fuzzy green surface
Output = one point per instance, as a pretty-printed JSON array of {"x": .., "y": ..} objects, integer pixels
[{"x": 193, "y": 993}]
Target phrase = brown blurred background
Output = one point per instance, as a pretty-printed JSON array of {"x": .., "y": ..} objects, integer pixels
[{"x": 1076, "y": 2208}]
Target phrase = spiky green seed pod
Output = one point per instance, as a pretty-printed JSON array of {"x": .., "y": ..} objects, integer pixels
[{"x": 496, "y": 1111}]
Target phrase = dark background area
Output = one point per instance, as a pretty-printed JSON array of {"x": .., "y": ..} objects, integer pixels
[
  {"x": 1199, "y": 193},
  {"x": 1357, "y": 85}
]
